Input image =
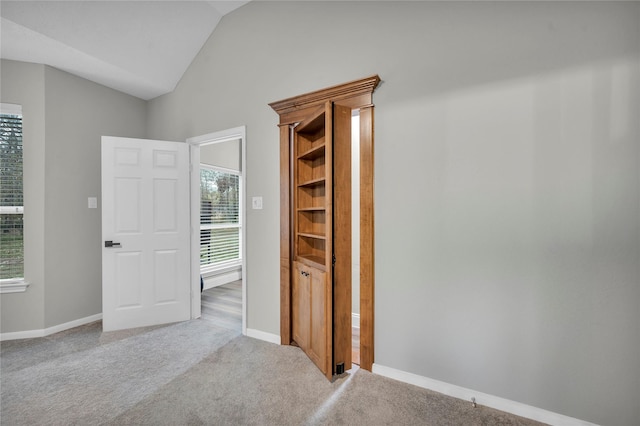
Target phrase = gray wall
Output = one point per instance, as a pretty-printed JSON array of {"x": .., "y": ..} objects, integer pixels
[
  {"x": 78, "y": 113},
  {"x": 23, "y": 84},
  {"x": 222, "y": 154},
  {"x": 64, "y": 119},
  {"x": 507, "y": 233}
]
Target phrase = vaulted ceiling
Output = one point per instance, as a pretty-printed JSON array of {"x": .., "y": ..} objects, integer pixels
[{"x": 138, "y": 47}]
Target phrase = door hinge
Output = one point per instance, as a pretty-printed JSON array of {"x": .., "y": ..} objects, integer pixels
[{"x": 333, "y": 260}]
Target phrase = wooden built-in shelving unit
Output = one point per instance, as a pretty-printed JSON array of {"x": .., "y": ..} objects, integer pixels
[
  {"x": 315, "y": 223},
  {"x": 312, "y": 177}
]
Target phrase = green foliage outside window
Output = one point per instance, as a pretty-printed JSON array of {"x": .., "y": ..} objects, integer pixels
[{"x": 219, "y": 206}]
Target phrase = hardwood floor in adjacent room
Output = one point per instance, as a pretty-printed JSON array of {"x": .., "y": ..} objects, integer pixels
[
  {"x": 222, "y": 305},
  {"x": 355, "y": 345}
]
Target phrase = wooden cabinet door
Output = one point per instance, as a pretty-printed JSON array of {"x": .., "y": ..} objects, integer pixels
[
  {"x": 320, "y": 343},
  {"x": 301, "y": 301},
  {"x": 310, "y": 312}
]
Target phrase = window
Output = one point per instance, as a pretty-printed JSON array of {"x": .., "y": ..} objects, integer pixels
[
  {"x": 220, "y": 225},
  {"x": 11, "y": 200}
]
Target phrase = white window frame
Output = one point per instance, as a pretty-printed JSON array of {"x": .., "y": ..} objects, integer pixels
[
  {"x": 14, "y": 285},
  {"x": 230, "y": 265}
]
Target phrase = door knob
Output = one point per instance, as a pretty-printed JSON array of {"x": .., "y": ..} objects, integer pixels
[{"x": 111, "y": 244}]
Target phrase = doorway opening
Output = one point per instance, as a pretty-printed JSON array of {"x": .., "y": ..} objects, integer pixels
[
  {"x": 218, "y": 217},
  {"x": 355, "y": 236}
]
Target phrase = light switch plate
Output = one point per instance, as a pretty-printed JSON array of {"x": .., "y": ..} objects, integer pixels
[
  {"x": 93, "y": 202},
  {"x": 256, "y": 203}
]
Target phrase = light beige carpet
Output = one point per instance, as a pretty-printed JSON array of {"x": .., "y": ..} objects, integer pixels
[{"x": 196, "y": 374}]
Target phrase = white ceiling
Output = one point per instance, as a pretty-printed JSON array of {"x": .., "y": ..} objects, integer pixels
[{"x": 138, "y": 47}]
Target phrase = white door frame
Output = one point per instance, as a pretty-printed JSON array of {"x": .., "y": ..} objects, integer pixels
[{"x": 236, "y": 133}]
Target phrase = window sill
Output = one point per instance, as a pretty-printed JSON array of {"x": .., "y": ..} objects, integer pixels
[
  {"x": 13, "y": 286},
  {"x": 221, "y": 268}
]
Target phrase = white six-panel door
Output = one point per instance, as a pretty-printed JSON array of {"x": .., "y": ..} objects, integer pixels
[{"x": 145, "y": 232}]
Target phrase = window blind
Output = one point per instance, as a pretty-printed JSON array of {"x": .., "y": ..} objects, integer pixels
[
  {"x": 220, "y": 227},
  {"x": 11, "y": 194}
]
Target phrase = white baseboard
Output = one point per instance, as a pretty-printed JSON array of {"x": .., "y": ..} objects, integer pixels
[
  {"x": 216, "y": 280},
  {"x": 30, "y": 334},
  {"x": 508, "y": 406},
  {"x": 262, "y": 335},
  {"x": 355, "y": 320}
]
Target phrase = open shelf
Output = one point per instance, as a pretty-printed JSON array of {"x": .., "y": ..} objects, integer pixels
[
  {"x": 312, "y": 247},
  {"x": 311, "y": 197},
  {"x": 312, "y": 209},
  {"x": 313, "y": 182},
  {"x": 310, "y": 169},
  {"x": 313, "y": 153},
  {"x": 309, "y": 235},
  {"x": 312, "y": 222},
  {"x": 311, "y": 134}
]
